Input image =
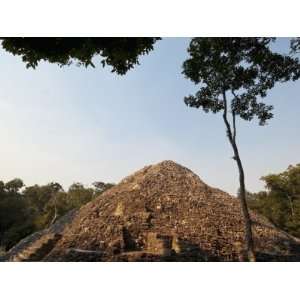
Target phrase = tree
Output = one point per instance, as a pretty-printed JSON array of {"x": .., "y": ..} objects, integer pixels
[
  {"x": 234, "y": 75},
  {"x": 119, "y": 53},
  {"x": 55, "y": 189},
  {"x": 101, "y": 187},
  {"x": 14, "y": 223},
  {"x": 286, "y": 186},
  {"x": 45, "y": 203},
  {"x": 14, "y": 185},
  {"x": 79, "y": 195},
  {"x": 280, "y": 203}
]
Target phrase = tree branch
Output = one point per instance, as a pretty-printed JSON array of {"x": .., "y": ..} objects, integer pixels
[
  {"x": 234, "y": 125},
  {"x": 234, "y": 116},
  {"x": 228, "y": 127}
]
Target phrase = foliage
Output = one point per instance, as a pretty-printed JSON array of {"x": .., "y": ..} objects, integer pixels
[
  {"x": 78, "y": 195},
  {"x": 280, "y": 203},
  {"x": 24, "y": 210},
  {"x": 13, "y": 212},
  {"x": 244, "y": 67},
  {"x": 295, "y": 45},
  {"x": 119, "y": 53},
  {"x": 101, "y": 186}
]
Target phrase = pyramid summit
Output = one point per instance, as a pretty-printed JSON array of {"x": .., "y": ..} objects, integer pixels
[{"x": 163, "y": 212}]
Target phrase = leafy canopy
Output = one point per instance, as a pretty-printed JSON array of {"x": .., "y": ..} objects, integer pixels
[
  {"x": 286, "y": 183},
  {"x": 120, "y": 53},
  {"x": 295, "y": 45},
  {"x": 244, "y": 67},
  {"x": 280, "y": 203}
]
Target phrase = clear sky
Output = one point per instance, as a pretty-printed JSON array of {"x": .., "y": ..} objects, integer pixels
[{"x": 74, "y": 124}]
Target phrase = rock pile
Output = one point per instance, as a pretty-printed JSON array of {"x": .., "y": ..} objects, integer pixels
[{"x": 164, "y": 212}]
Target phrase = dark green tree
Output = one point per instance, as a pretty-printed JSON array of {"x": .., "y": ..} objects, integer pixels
[
  {"x": 53, "y": 202},
  {"x": 100, "y": 187},
  {"x": 119, "y": 53},
  {"x": 14, "y": 186},
  {"x": 42, "y": 202},
  {"x": 280, "y": 203},
  {"x": 234, "y": 75},
  {"x": 14, "y": 214},
  {"x": 285, "y": 185},
  {"x": 79, "y": 195}
]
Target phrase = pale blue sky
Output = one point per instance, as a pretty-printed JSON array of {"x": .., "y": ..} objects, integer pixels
[{"x": 74, "y": 124}]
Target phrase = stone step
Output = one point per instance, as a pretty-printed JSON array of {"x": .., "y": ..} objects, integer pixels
[{"x": 38, "y": 249}]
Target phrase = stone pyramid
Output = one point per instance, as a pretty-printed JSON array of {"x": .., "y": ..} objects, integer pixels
[{"x": 164, "y": 212}]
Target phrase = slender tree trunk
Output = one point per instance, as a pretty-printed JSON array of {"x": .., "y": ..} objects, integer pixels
[
  {"x": 55, "y": 212},
  {"x": 247, "y": 220},
  {"x": 291, "y": 205}
]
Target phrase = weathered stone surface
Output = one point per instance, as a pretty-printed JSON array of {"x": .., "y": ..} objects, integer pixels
[{"x": 164, "y": 212}]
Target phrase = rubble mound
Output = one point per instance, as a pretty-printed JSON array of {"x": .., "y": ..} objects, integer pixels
[{"x": 164, "y": 212}]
